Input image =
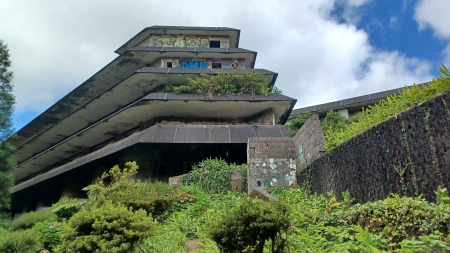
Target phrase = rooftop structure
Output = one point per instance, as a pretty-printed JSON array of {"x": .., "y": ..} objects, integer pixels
[{"x": 123, "y": 113}]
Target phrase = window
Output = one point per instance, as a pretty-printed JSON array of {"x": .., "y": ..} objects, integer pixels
[
  {"x": 216, "y": 65},
  {"x": 214, "y": 44},
  {"x": 169, "y": 65}
]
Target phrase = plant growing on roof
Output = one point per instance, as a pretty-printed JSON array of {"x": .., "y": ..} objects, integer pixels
[{"x": 226, "y": 83}]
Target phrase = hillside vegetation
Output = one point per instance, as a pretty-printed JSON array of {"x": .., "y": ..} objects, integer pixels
[{"x": 123, "y": 215}]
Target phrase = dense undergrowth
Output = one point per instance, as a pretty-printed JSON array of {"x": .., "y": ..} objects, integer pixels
[{"x": 123, "y": 215}]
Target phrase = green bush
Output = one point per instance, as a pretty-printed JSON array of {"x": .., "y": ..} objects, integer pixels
[
  {"x": 22, "y": 241},
  {"x": 28, "y": 220},
  {"x": 155, "y": 199},
  {"x": 67, "y": 207},
  {"x": 296, "y": 123},
  {"x": 49, "y": 232},
  {"x": 109, "y": 228},
  {"x": 213, "y": 175},
  {"x": 246, "y": 227},
  {"x": 4, "y": 224},
  {"x": 396, "y": 223},
  {"x": 167, "y": 239},
  {"x": 230, "y": 83}
]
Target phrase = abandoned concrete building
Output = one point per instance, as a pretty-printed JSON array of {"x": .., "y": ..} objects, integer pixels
[{"x": 123, "y": 114}]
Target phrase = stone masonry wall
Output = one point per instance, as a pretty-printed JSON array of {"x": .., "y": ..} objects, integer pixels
[
  {"x": 271, "y": 162},
  {"x": 309, "y": 144},
  {"x": 408, "y": 155}
]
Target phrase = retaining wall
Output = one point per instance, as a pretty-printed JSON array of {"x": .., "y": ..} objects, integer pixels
[{"x": 408, "y": 155}]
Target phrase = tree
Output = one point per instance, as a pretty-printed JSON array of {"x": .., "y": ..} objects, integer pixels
[
  {"x": 296, "y": 123},
  {"x": 7, "y": 102}
]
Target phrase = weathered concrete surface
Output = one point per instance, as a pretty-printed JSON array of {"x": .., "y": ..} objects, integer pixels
[
  {"x": 408, "y": 155},
  {"x": 309, "y": 144},
  {"x": 271, "y": 162},
  {"x": 258, "y": 194}
]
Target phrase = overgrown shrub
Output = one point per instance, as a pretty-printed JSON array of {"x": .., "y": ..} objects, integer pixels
[
  {"x": 296, "y": 123},
  {"x": 109, "y": 228},
  {"x": 155, "y": 198},
  {"x": 213, "y": 175},
  {"x": 229, "y": 83},
  {"x": 167, "y": 239},
  {"x": 396, "y": 223},
  {"x": 28, "y": 220},
  {"x": 246, "y": 227},
  {"x": 4, "y": 223},
  {"x": 67, "y": 207},
  {"x": 49, "y": 232},
  {"x": 23, "y": 241},
  {"x": 405, "y": 218}
]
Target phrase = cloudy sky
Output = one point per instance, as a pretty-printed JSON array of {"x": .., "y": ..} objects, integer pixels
[{"x": 323, "y": 50}]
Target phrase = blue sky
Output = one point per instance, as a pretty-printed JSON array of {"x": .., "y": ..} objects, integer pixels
[
  {"x": 323, "y": 50},
  {"x": 391, "y": 26}
]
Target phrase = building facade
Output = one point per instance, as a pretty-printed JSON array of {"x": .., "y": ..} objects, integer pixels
[{"x": 123, "y": 113}]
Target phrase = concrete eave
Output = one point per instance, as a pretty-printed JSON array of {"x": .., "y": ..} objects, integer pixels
[
  {"x": 113, "y": 73},
  {"x": 147, "y": 108},
  {"x": 115, "y": 98},
  {"x": 166, "y": 134},
  {"x": 232, "y": 33}
]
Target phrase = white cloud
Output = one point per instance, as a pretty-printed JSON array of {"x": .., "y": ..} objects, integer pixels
[
  {"x": 434, "y": 14},
  {"x": 393, "y": 23},
  {"x": 57, "y": 45}
]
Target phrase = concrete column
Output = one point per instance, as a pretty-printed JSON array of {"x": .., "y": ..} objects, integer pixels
[{"x": 344, "y": 112}]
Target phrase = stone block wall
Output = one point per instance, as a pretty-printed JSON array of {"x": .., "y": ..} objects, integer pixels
[
  {"x": 408, "y": 154},
  {"x": 309, "y": 145},
  {"x": 271, "y": 162}
]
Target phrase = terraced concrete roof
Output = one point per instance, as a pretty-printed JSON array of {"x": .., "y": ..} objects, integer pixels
[{"x": 167, "y": 134}]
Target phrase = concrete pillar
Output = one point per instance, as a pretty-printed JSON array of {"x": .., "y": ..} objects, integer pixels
[{"x": 344, "y": 112}]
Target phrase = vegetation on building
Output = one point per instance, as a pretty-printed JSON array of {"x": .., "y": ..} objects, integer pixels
[{"x": 254, "y": 83}]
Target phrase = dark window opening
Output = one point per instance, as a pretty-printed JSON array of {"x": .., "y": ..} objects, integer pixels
[
  {"x": 169, "y": 65},
  {"x": 214, "y": 44},
  {"x": 216, "y": 65}
]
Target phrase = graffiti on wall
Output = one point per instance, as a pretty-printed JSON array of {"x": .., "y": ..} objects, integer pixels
[
  {"x": 191, "y": 64},
  {"x": 182, "y": 41},
  {"x": 197, "y": 42}
]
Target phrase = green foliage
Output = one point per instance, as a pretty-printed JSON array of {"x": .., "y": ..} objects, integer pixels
[
  {"x": 246, "y": 227},
  {"x": 7, "y": 102},
  {"x": 23, "y": 241},
  {"x": 387, "y": 108},
  {"x": 323, "y": 225},
  {"x": 4, "y": 224},
  {"x": 155, "y": 199},
  {"x": 230, "y": 83},
  {"x": 213, "y": 175},
  {"x": 67, "y": 207},
  {"x": 335, "y": 121},
  {"x": 167, "y": 239},
  {"x": 49, "y": 232},
  {"x": 296, "y": 123},
  {"x": 28, "y": 220},
  {"x": 109, "y": 228},
  {"x": 404, "y": 218}
]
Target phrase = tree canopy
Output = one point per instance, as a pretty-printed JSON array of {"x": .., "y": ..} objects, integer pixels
[{"x": 7, "y": 102}]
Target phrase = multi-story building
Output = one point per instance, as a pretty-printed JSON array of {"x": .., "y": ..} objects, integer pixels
[{"x": 122, "y": 113}]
